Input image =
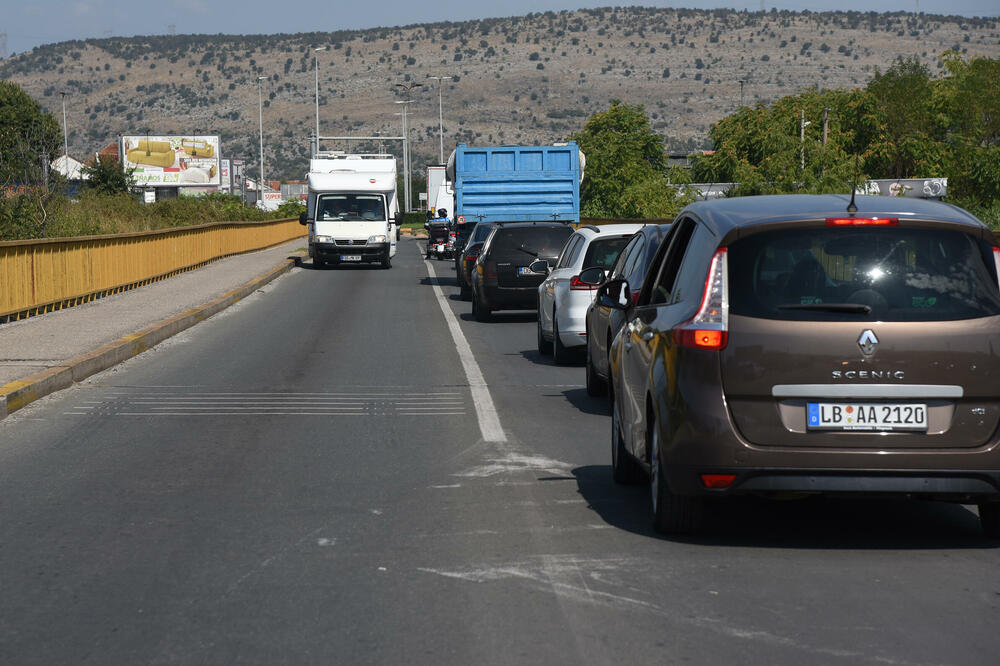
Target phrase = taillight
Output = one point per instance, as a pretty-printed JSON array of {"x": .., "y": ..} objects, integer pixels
[
  {"x": 717, "y": 481},
  {"x": 578, "y": 285},
  {"x": 996, "y": 262},
  {"x": 709, "y": 327},
  {"x": 862, "y": 221}
]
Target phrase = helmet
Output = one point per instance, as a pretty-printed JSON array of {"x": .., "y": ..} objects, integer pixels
[{"x": 442, "y": 212}]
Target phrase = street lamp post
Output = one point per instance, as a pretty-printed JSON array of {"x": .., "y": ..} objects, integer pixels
[
  {"x": 440, "y": 80},
  {"x": 316, "y": 61},
  {"x": 408, "y": 87},
  {"x": 63, "y": 93},
  {"x": 260, "y": 114}
]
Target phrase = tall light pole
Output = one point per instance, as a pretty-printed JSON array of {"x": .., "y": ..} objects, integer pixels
[
  {"x": 316, "y": 61},
  {"x": 407, "y": 87},
  {"x": 440, "y": 80},
  {"x": 62, "y": 93},
  {"x": 260, "y": 114}
]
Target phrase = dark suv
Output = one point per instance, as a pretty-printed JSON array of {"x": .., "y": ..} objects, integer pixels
[
  {"x": 789, "y": 345},
  {"x": 502, "y": 279}
]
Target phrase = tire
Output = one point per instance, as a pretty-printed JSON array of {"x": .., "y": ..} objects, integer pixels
[
  {"x": 479, "y": 313},
  {"x": 624, "y": 468},
  {"x": 544, "y": 346},
  {"x": 672, "y": 514},
  {"x": 989, "y": 519},
  {"x": 318, "y": 263},
  {"x": 387, "y": 261},
  {"x": 560, "y": 355},
  {"x": 464, "y": 292},
  {"x": 595, "y": 385}
]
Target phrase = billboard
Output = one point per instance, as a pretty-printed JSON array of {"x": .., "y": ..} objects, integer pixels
[
  {"x": 172, "y": 161},
  {"x": 226, "y": 181}
]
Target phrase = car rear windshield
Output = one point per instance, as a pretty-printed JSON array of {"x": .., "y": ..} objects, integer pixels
[
  {"x": 863, "y": 273},
  {"x": 480, "y": 233},
  {"x": 603, "y": 251},
  {"x": 543, "y": 241}
]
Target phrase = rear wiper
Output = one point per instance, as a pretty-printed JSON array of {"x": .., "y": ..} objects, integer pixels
[
  {"x": 534, "y": 254},
  {"x": 853, "y": 308}
]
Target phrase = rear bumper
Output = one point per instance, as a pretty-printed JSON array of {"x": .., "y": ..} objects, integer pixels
[
  {"x": 950, "y": 485},
  {"x": 504, "y": 298}
]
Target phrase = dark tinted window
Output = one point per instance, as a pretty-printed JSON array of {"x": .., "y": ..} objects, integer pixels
[
  {"x": 900, "y": 274},
  {"x": 661, "y": 289},
  {"x": 622, "y": 262},
  {"x": 480, "y": 233},
  {"x": 544, "y": 241},
  {"x": 603, "y": 251}
]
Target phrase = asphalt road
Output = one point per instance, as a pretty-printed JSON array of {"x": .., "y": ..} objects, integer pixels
[{"x": 303, "y": 479}]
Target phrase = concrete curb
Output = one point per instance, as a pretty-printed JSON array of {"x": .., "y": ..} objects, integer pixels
[{"x": 17, "y": 394}]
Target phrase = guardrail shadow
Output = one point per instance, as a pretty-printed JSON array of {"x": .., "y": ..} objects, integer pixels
[{"x": 810, "y": 523}]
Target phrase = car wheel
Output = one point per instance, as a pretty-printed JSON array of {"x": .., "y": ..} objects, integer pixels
[
  {"x": 989, "y": 519},
  {"x": 544, "y": 346},
  {"x": 672, "y": 514},
  {"x": 386, "y": 261},
  {"x": 464, "y": 292},
  {"x": 624, "y": 468},
  {"x": 595, "y": 385},
  {"x": 479, "y": 313}
]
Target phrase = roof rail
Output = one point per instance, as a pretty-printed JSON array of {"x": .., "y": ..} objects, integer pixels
[{"x": 589, "y": 226}]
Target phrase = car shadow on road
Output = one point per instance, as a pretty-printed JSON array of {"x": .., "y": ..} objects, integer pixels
[
  {"x": 440, "y": 281},
  {"x": 546, "y": 359},
  {"x": 503, "y": 317},
  {"x": 810, "y": 523},
  {"x": 586, "y": 403}
]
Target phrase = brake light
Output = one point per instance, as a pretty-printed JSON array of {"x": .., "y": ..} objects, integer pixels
[
  {"x": 717, "y": 481},
  {"x": 709, "y": 327},
  {"x": 862, "y": 221},
  {"x": 996, "y": 262},
  {"x": 576, "y": 284}
]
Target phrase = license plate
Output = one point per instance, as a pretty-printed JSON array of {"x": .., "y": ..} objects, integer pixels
[
  {"x": 524, "y": 270},
  {"x": 861, "y": 416},
  {"x": 350, "y": 257}
]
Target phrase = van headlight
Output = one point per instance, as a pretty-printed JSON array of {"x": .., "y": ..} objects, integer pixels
[
  {"x": 377, "y": 238},
  {"x": 324, "y": 239}
]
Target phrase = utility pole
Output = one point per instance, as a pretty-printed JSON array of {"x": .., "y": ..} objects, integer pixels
[
  {"x": 440, "y": 80},
  {"x": 260, "y": 114},
  {"x": 316, "y": 61},
  {"x": 62, "y": 93},
  {"x": 406, "y": 141},
  {"x": 802, "y": 136}
]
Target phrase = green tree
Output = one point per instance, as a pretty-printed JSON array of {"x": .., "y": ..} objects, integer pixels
[
  {"x": 29, "y": 137},
  {"x": 626, "y": 172},
  {"x": 106, "y": 176}
]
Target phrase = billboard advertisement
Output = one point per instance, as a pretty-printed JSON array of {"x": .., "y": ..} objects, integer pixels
[
  {"x": 226, "y": 181},
  {"x": 172, "y": 161}
]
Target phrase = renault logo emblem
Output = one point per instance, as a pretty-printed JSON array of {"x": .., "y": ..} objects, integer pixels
[{"x": 868, "y": 342}]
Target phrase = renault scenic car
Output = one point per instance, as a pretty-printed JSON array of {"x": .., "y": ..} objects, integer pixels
[{"x": 811, "y": 344}]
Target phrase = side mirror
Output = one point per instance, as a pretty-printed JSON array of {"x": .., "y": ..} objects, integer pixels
[
  {"x": 398, "y": 218},
  {"x": 427, "y": 225},
  {"x": 615, "y": 295},
  {"x": 539, "y": 266},
  {"x": 592, "y": 276},
  {"x": 303, "y": 218}
]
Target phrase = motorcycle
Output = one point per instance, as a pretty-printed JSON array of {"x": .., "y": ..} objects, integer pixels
[{"x": 440, "y": 240}]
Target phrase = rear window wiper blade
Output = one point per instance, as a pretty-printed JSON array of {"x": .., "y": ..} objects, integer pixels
[
  {"x": 853, "y": 308},
  {"x": 534, "y": 254}
]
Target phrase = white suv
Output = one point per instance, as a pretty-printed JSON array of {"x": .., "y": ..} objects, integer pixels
[{"x": 563, "y": 298}]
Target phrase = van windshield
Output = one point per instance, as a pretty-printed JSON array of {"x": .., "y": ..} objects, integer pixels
[{"x": 351, "y": 207}]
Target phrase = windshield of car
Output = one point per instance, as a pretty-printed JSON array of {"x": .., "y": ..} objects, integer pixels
[
  {"x": 882, "y": 274},
  {"x": 351, "y": 207},
  {"x": 540, "y": 241},
  {"x": 603, "y": 251}
]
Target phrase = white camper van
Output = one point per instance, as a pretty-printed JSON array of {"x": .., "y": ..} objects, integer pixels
[{"x": 353, "y": 213}]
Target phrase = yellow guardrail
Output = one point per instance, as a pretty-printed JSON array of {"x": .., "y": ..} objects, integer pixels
[{"x": 42, "y": 275}]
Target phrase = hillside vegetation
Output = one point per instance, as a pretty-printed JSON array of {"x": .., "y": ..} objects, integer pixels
[{"x": 535, "y": 78}]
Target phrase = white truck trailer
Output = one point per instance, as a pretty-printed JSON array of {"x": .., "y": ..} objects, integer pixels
[{"x": 353, "y": 213}]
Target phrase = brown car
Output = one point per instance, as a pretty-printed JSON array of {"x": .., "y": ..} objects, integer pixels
[{"x": 795, "y": 344}]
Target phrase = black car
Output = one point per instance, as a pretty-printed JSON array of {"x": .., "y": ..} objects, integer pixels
[
  {"x": 465, "y": 261},
  {"x": 603, "y": 322},
  {"x": 463, "y": 230},
  {"x": 502, "y": 279}
]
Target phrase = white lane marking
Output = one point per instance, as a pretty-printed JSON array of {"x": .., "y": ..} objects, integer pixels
[{"x": 486, "y": 412}]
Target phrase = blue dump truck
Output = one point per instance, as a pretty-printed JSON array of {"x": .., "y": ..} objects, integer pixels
[{"x": 515, "y": 183}]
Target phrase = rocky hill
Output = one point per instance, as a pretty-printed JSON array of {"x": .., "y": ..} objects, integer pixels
[{"x": 534, "y": 78}]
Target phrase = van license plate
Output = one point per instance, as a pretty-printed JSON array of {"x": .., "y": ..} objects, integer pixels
[
  {"x": 860, "y": 416},
  {"x": 350, "y": 257}
]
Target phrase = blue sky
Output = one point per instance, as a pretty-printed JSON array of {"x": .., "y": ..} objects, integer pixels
[{"x": 46, "y": 21}]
